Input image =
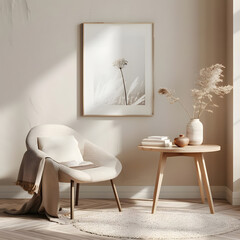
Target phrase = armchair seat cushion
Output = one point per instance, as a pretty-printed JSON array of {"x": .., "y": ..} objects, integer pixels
[
  {"x": 90, "y": 175},
  {"x": 62, "y": 149}
]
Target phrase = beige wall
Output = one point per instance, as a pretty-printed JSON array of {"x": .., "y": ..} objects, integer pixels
[
  {"x": 236, "y": 97},
  {"x": 229, "y": 122},
  {"x": 233, "y": 102},
  {"x": 40, "y": 72}
]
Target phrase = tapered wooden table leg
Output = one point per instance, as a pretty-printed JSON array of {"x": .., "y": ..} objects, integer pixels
[
  {"x": 200, "y": 180},
  {"x": 159, "y": 178},
  {"x": 72, "y": 200},
  {"x": 206, "y": 182},
  {"x": 77, "y": 195}
]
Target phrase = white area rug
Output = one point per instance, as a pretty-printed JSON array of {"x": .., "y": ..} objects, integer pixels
[{"x": 164, "y": 224}]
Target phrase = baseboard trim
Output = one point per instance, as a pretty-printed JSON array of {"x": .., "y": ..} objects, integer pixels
[
  {"x": 229, "y": 195},
  {"x": 132, "y": 192},
  {"x": 233, "y": 197}
]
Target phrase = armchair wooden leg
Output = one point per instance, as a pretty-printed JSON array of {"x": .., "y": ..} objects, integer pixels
[
  {"x": 72, "y": 200},
  {"x": 116, "y": 196},
  {"x": 77, "y": 194}
]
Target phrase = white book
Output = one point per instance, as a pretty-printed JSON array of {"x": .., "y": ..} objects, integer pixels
[
  {"x": 155, "y": 144},
  {"x": 158, "y": 137},
  {"x": 156, "y": 140}
]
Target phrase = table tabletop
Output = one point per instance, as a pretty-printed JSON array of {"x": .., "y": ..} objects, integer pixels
[{"x": 186, "y": 149}]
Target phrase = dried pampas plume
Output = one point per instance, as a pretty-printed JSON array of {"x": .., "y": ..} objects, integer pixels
[
  {"x": 172, "y": 99},
  {"x": 169, "y": 94},
  {"x": 208, "y": 83}
]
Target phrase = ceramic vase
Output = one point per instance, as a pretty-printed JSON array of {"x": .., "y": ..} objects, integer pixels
[
  {"x": 195, "y": 132},
  {"x": 181, "y": 141}
]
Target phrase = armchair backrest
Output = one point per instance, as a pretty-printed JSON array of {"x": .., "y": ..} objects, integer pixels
[{"x": 51, "y": 130}]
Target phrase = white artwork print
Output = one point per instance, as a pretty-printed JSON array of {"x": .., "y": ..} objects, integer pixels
[
  {"x": 117, "y": 69},
  {"x": 133, "y": 94}
]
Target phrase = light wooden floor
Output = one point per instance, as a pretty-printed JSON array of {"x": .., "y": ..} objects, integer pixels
[{"x": 34, "y": 227}]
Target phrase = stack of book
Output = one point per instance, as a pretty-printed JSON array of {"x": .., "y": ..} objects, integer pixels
[{"x": 157, "y": 141}]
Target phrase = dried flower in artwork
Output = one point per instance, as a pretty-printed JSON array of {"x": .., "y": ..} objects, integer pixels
[
  {"x": 120, "y": 63},
  {"x": 208, "y": 86}
]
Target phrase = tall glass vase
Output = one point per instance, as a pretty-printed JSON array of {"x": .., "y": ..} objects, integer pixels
[{"x": 195, "y": 132}]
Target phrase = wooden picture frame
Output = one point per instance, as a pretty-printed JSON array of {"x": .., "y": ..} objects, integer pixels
[{"x": 117, "y": 69}]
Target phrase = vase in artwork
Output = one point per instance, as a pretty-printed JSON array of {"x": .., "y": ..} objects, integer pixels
[{"x": 195, "y": 132}]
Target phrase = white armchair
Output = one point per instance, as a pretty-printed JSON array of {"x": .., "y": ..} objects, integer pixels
[{"x": 107, "y": 167}]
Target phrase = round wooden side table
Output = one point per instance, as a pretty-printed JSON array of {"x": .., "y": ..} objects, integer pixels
[{"x": 190, "y": 151}]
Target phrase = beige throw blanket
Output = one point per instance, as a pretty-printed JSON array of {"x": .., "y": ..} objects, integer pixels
[
  {"x": 40, "y": 178},
  {"x": 30, "y": 172}
]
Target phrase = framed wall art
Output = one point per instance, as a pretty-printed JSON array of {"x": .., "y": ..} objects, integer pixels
[{"x": 117, "y": 69}]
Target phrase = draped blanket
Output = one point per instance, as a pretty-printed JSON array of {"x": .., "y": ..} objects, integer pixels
[
  {"x": 39, "y": 176},
  {"x": 30, "y": 172}
]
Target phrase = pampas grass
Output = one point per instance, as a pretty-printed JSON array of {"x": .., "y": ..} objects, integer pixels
[{"x": 208, "y": 87}]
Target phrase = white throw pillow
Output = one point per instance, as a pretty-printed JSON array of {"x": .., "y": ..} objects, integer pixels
[{"x": 63, "y": 149}]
